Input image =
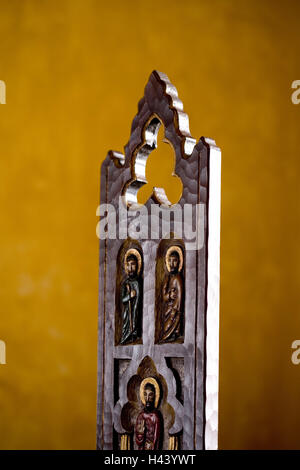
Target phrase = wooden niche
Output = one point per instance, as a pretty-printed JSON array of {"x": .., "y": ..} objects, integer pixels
[{"x": 169, "y": 292}]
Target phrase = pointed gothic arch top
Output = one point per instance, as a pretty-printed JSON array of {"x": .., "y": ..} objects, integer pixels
[{"x": 161, "y": 99}]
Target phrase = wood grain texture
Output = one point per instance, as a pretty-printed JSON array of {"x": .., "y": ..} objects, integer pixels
[{"x": 120, "y": 174}]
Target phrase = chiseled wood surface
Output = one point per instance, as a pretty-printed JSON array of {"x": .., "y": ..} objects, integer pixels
[{"x": 197, "y": 416}]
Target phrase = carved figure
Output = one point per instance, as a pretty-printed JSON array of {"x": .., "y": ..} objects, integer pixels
[
  {"x": 148, "y": 427},
  {"x": 172, "y": 295},
  {"x": 131, "y": 297}
]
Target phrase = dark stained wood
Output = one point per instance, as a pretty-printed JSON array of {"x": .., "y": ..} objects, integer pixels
[{"x": 194, "y": 416}]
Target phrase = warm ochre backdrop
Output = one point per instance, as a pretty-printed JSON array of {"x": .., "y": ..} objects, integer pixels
[{"x": 74, "y": 72}]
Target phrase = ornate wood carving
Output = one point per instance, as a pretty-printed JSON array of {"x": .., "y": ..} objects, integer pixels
[{"x": 176, "y": 341}]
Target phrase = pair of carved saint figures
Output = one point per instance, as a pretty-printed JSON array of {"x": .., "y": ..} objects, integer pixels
[{"x": 169, "y": 315}]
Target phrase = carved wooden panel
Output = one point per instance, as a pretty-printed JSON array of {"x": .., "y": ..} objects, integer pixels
[{"x": 158, "y": 292}]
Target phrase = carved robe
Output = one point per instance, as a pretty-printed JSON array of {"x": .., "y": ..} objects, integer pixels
[
  {"x": 150, "y": 439},
  {"x": 131, "y": 309},
  {"x": 172, "y": 311}
]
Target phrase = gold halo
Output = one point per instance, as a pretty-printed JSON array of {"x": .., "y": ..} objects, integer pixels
[
  {"x": 179, "y": 251},
  {"x": 136, "y": 253},
  {"x": 153, "y": 381}
]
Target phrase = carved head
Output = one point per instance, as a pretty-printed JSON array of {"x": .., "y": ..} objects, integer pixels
[
  {"x": 150, "y": 393},
  {"x": 149, "y": 396},
  {"x": 174, "y": 259},
  {"x": 132, "y": 262},
  {"x": 131, "y": 265},
  {"x": 174, "y": 262}
]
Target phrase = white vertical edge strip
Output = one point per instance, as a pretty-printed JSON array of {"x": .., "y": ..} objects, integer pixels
[{"x": 213, "y": 294}]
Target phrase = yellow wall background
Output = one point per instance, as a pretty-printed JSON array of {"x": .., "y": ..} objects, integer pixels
[{"x": 74, "y": 71}]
